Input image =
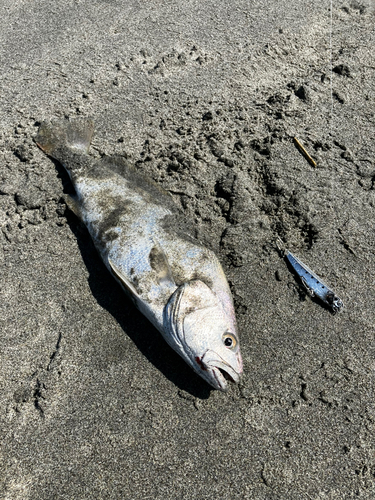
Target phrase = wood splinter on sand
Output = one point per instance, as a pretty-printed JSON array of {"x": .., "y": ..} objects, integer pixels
[{"x": 304, "y": 152}]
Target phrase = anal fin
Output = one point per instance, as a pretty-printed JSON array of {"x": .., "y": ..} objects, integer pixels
[{"x": 73, "y": 205}]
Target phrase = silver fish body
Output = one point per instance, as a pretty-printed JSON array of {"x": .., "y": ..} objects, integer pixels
[{"x": 175, "y": 282}]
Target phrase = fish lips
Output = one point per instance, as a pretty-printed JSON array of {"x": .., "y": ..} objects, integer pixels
[{"x": 218, "y": 371}]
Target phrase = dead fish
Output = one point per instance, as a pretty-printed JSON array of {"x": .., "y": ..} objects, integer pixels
[{"x": 137, "y": 229}]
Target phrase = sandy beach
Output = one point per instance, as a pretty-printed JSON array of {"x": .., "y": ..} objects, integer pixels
[{"x": 205, "y": 98}]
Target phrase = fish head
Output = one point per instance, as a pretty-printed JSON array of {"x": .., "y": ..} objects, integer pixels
[{"x": 202, "y": 329}]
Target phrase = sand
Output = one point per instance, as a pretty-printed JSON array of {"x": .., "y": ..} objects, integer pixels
[{"x": 205, "y": 98}]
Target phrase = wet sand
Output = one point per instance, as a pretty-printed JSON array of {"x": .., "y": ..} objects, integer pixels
[{"x": 205, "y": 98}]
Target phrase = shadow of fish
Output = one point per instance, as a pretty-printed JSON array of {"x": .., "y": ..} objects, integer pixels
[{"x": 175, "y": 282}]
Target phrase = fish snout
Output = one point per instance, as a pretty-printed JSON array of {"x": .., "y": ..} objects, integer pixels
[{"x": 222, "y": 371}]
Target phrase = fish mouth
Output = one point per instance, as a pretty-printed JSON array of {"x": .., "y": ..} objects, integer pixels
[{"x": 220, "y": 372}]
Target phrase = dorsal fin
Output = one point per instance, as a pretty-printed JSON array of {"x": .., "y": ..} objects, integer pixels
[{"x": 121, "y": 166}]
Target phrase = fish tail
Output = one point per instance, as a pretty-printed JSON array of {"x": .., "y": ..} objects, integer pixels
[{"x": 74, "y": 135}]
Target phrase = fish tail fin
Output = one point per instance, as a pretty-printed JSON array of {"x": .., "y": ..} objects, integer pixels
[{"x": 72, "y": 134}]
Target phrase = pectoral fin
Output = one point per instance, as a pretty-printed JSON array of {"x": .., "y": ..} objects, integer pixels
[{"x": 159, "y": 263}]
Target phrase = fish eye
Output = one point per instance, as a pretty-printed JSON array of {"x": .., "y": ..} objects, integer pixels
[{"x": 229, "y": 340}]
